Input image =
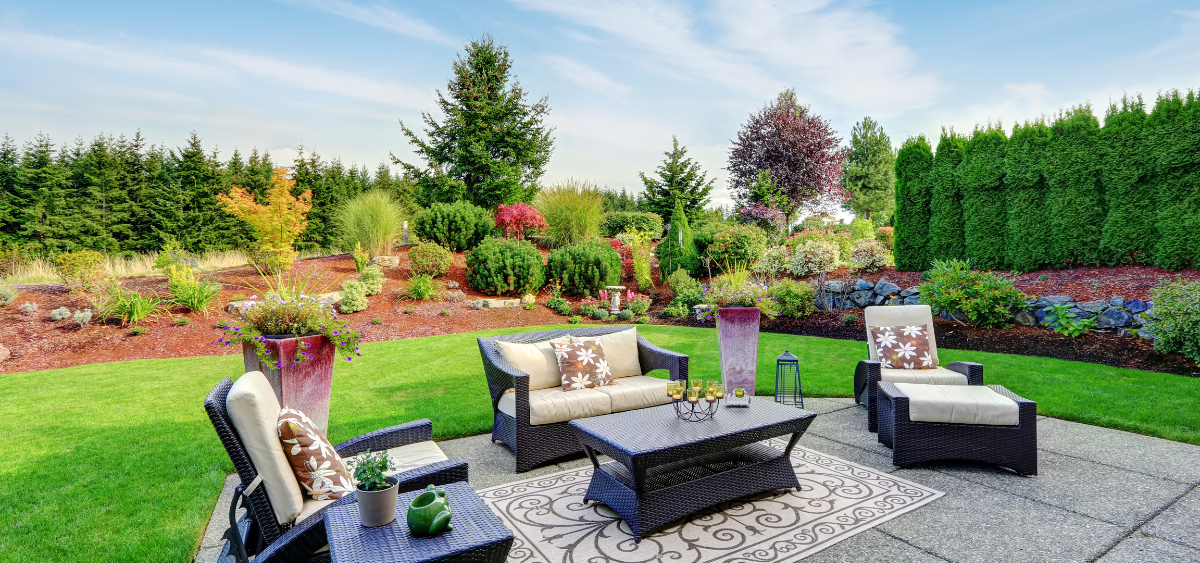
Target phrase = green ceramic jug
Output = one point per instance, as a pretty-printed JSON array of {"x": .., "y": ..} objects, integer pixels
[{"x": 429, "y": 513}]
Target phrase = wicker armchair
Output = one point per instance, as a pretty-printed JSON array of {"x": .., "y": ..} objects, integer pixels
[
  {"x": 870, "y": 372},
  {"x": 259, "y": 533},
  {"x": 537, "y": 444}
]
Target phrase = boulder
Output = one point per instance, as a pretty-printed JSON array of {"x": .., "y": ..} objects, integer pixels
[
  {"x": 862, "y": 298},
  {"x": 835, "y": 286},
  {"x": 863, "y": 285},
  {"x": 4, "y": 353},
  {"x": 1052, "y": 300},
  {"x": 385, "y": 261},
  {"x": 912, "y": 300},
  {"x": 1079, "y": 313},
  {"x": 451, "y": 284},
  {"x": 878, "y": 299},
  {"x": 1032, "y": 302},
  {"x": 238, "y": 306},
  {"x": 1093, "y": 308},
  {"x": 955, "y": 316},
  {"x": 1136, "y": 306},
  {"x": 1117, "y": 301},
  {"x": 1146, "y": 332},
  {"x": 1114, "y": 318},
  {"x": 914, "y": 290},
  {"x": 499, "y": 303},
  {"x": 895, "y": 301},
  {"x": 885, "y": 287},
  {"x": 1140, "y": 320},
  {"x": 1040, "y": 315},
  {"x": 1026, "y": 317}
]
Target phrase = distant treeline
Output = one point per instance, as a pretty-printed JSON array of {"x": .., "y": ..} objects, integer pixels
[
  {"x": 118, "y": 194},
  {"x": 1057, "y": 194}
]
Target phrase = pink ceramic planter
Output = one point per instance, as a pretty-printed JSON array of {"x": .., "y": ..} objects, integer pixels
[
  {"x": 737, "y": 336},
  {"x": 304, "y": 385}
]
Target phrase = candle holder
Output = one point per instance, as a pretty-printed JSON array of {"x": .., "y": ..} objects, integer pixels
[{"x": 694, "y": 403}]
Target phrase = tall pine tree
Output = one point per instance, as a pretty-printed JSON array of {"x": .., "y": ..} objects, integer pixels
[
  {"x": 869, "y": 171},
  {"x": 914, "y": 162},
  {"x": 41, "y": 193},
  {"x": 946, "y": 237},
  {"x": 680, "y": 179},
  {"x": 1028, "y": 231},
  {"x": 1076, "y": 197},
  {"x": 10, "y": 205},
  {"x": 981, "y": 179}
]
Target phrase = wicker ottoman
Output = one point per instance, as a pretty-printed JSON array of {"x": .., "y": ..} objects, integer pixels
[{"x": 935, "y": 422}]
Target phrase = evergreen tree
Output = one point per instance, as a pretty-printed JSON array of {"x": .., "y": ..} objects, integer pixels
[
  {"x": 869, "y": 171},
  {"x": 946, "y": 237},
  {"x": 204, "y": 225},
  {"x": 102, "y": 219},
  {"x": 678, "y": 249},
  {"x": 1076, "y": 199},
  {"x": 1028, "y": 233},
  {"x": 914, "y": 163},
  {"x": 41, "y": 192},
  {"x": 10, "y": 205},
  {"x": 156, "y": 191},
  {"x": 765, "y": 191},
  {"x": 981, "y": 179},
  {"x": 1174, "y": 127},
  {"x": 619, "y": 201},
  {"x": 1129, "y": 232},
  {"x": 679, "y": 179},
  {"x": 492, "y": 146}
]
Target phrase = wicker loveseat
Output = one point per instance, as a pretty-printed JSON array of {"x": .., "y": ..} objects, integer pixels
[{"x": 532, "y": 418}]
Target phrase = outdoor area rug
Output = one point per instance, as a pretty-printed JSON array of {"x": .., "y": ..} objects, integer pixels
[{"x": 837, "y": 500}]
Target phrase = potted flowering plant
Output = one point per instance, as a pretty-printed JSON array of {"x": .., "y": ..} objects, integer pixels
[
  {"x": 377, "y": 494},
  {"x": 740, "y": 302},
  {"x": 292, "y": 337}
]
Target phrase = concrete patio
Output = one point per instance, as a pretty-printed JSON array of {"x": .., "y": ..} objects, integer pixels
[{"x": 1101, "y": 495}]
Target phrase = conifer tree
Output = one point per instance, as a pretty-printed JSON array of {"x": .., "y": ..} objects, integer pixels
[
  {"x": 1174, "y": 128},
  {"x": 678, "y": 249},
  {"x": 1129, "y": 231},
  {"x": 946, "y": 238},
  {"x": 981, "y": 179},
  {"x": 41, "y": 192},
  {"x": 10, "y": 205},
  {"x": 1028, "y": 232},
  {"x": 1076, "y": 202},
  {"x": 204, "y": 225},
  {"x": 914, "y": 162},
  {"x": 158, "y": 213},
  {"x": 869, "y": 170},
  {"x": 680, "y": 179}
]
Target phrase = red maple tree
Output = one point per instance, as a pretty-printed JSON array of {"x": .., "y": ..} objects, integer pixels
[{"x": 516, "y": 218}]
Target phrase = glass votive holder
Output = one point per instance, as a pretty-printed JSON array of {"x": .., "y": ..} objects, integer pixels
[{"x": 693, "y": 395}]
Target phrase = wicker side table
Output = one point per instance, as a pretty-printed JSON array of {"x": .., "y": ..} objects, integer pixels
[{"x": 478, "y": 536}]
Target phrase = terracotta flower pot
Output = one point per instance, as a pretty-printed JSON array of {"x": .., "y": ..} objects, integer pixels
[
  {"x": 737, "y": 339},
  {"x": 304, "y": 385},
  {"x": 378, "y": 508}
]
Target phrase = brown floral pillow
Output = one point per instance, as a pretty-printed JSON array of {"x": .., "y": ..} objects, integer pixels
[
  {"x": 582, "y": 364},
  {"x": 903, "y": 347},
  {"x": 317, "y": 466}
]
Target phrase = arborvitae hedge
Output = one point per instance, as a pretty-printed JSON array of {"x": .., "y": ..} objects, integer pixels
[
  {"x": 946, "y": 238},
  {"x": 913, "y": 165},
  {"x": 1174, "y": 128},
  {"x": 981, "y": 180},
  {"x": 1028, "y": 231},
  {"x": 1129, "y": 233},
  {"x": 1076, "y": 201}
]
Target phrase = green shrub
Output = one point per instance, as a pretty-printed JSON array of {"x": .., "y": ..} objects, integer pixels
[
  {"x": 361, "y": 257},
  {"x": 1028, "y": 232},
  {"x": 589, "y": 306},
  {"x": 372, "y": 219},
  {"x": 739, "y": 244},
  {"x": 870, "y": 255},
  {"x": 1175, "y": 148},
  {"x": 1129, "y": 232},
  {"x": 138, "y": 331},
  {"x": 675, "y": 309},
  {"x": 85, "y": 316},
  {"x": 1062, "y": 320},
  {"x": 704, "y": 234},
  {"x": 458, "y": 226},
  {"x": 794, "y": 299},
  {"x": 1075, "y": 198},
  {"x": 985, "y": 298},
  {"x": 575, "y": 320},
  {"x": 849, "y": 318},
  {"x": 840, "y": 239},
  {"x": 572, "y": 211},
  {"x": 60, "y": 314},
  {"x": 687, "y": 291},
  {"x": 638, "y": 305},
  {"x": 563, "y": 308},
  {"x": 430, "y": 258},
  {"x": 773, "y": 260},
  {"x": 372, "y": 279},
  {"x": 886, "y": 236},
  {"x": 29, "y": 308},
  {"x": 678, "y": 248},
  {"x": 1175, "y": 319},
  {"x": 642, "y": 320},
  {"x": 421, "y": 287},
  {"x": 862, "y": 229},
  {"x": 505, "y": 266},
  {"x": 946, "y": 237},
  {"x": 616, "y": 222},
  {"x": 354, "y": 297},
  {"x": 181, "y": 321},
  {"x": 80, "y": 270},
  {"x": 600, "y": 314},
  {"x": 625, "y": 315},
  {"x": 409, "y": 310},
  {"x": 445, "y": 312},
  {"x": 555, "y": 302},
  {"x": 814, "y": 257},
  {"x": 189, "y": 292},
  {"x": 981, "y": 179},
  {"x": 8, "y": 294},
  {"x": 585, "y": 268}
]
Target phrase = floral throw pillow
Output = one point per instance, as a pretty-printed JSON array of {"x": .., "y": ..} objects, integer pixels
[
  {"x": 582, "y": 365},
  {"x": 903, "y": 347},
  {"x": 317, "y": 466}
]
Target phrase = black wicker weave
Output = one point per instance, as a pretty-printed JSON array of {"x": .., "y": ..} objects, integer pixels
[
  {"x": 1014, "y": 447},
  {"x": 303, "y": 539},
  {"x": 478, "y": 535},
  {"x": 867, "y": 378},
  {"x": 537, "y": 444},
  {"x": 665, "y": 468}
]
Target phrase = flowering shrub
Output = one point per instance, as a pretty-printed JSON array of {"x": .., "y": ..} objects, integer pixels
[
  {"x": 870, "y": 255},
  {"x": 740, "y": 244},
  {"x": 517, "y": 218},
  {"x": 637, "y": 303},
  {"x": 772, "y": 261},
  {"x": 1175, "y": 319},
  {"x": 814, "y": 257},
  {"x": 302, "y": 315},
  {"x": 766, "y": 218},
  {"x": 429, "y": 259},
  {"x": 589, "y": 305},
  {"x": 986, "y": 299},
  {"x": 795, "y": 299},
  {"x": 887, "y": 236},
  {"x": 842, "y": 239}
]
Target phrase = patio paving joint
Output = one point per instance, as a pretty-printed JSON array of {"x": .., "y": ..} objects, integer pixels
[
  {"x": 1137, "y": 528},
  {"x": 928, "y": 552},
  {"x": 1058, "y": 453}
]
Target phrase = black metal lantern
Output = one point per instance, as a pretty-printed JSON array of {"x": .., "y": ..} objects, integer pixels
[{"x": 787, "y": 380}]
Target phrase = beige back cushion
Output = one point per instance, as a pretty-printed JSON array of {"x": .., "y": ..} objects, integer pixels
[
  {"x": 254, "y": 411},
  {"x": 536, "y": 358},
  {"x": 621, "y": 351},
  {"x": 894, "y": 315}
]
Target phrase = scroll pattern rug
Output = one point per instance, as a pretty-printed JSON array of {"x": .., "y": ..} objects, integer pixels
[{"x": 837, "y": 500}]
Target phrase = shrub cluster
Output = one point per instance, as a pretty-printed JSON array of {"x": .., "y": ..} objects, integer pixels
[
  {"x": 584, "y": 268},
  {"x": 739, "y": 244},
  {"x": 430, "y": 259},
  {"x": 615, "y": 222},
  {"x": 773, "y": 260},
  {"x": 354, "y": 297},
  {"x": 188, "y": 291},
  {"x": 886, "y": 236},
  {"x": 794, "y": 299},
  {"x": 80, "y": 270},
  {"x": 687, "y": 294},
  {"x": 814, "y": 257},
  {"x": 505, "y": 266},
  {"x": 372, "y": 279},
  {"x": 1175, "y": 319},
  {"x": 458, "y": 226},
  {"x": 870, "y": 255},
  {"x": 985, "y": 298}
]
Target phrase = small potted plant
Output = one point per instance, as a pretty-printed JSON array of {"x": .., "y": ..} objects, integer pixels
[{"x": 377, "y": 493}]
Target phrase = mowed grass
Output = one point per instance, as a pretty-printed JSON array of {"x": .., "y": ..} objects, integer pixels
[{"x": 118, "y": 462}]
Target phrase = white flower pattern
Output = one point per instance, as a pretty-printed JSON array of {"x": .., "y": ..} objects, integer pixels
[
  {"x": 318, "y": 467},
  {"x": 885, "y": 340},
  {"x": 903, "y": 347},
  {"x": 583, "y": 365},
  {"x": 580, "y": 381}
]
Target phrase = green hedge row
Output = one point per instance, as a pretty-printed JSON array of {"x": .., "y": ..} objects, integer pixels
[{"x": 1060, "y": 194}]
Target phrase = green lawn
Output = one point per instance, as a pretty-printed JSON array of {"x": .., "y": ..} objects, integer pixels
[{"x": 117, "y": 461}]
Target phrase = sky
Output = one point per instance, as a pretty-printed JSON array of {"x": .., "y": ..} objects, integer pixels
[{"x": 337, "y": 76}]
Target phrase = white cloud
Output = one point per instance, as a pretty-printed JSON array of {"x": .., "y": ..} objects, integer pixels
[
  {"x": 383, "y": 17},
  {"x": 586, "y": 76}
]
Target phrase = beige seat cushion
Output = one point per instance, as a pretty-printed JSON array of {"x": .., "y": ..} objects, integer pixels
[
  {"x": 959, "y": 404},
  {"x": 312, "y": 507},
  {"x": 636, "y": 392},
  {"x": 621, "y": 351},
  {"x": 548, "y": 406},
  {"x": 895, "y": 315},
  {"x": 254, "y": 411},
  {"x": 536, "y": 358},
  {"x": 935, "y": 376}
]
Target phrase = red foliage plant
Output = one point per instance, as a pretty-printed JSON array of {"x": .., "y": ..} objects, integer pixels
[
  {"x": 626, "y": 255},
  {"x": 515, "y": 219}
]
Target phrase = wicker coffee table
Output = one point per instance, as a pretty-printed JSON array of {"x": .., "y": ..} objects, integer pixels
[
  {"x": 665, "y": 468},
  {"x": 478, "y": 535}
]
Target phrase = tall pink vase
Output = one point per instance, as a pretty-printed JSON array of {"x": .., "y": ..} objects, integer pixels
[
  {"x": 304, "y": 385},
  {"x": 737, "y": 337}
]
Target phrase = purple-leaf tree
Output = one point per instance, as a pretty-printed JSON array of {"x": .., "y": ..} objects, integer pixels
[{"x": 799, "y": 148}]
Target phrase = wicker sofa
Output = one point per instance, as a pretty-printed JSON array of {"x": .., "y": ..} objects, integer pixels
[{"x": 521, "y": 410}]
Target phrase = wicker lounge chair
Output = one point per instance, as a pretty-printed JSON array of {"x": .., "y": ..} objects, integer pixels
[
  {"x": 259, "y": 532},
  {"x": 869, "y": 373},
  {"x": 534, "y": 444},
  {"x": 1005, "y": 444}
]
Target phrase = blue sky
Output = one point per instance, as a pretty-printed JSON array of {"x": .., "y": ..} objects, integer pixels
[{"x": 621, "y": 77}]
